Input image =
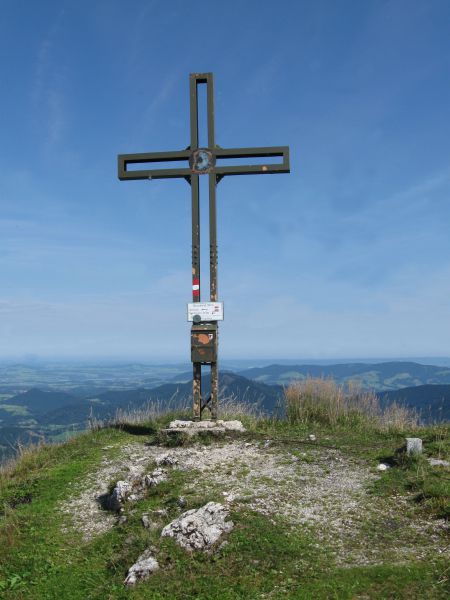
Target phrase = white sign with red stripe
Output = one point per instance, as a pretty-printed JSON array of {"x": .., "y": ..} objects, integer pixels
[{"x": 207, "y": 311}]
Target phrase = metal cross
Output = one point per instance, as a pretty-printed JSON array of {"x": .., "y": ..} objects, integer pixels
[{"x": 203, "y": 161}]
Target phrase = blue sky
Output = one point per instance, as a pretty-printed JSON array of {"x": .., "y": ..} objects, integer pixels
[{"x": 349, "y": 255}]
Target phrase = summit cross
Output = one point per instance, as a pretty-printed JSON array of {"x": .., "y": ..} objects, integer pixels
[{"x": 196, "y": 161}]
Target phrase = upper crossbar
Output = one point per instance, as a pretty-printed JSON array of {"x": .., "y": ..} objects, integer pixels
[
  {"x": 265, "y": 168},
  {"x": 124, "y": 160}
]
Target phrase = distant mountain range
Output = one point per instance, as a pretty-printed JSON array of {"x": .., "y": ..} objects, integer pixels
[
  {"x": 51, "y": 413},
  {"x": 48, "y": 414},
  {"x": 50, "y": 407},
  {"x": 377, "y": 376}
]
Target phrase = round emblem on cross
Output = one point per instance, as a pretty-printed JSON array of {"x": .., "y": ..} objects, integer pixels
[{"x": 202, "y": 161}]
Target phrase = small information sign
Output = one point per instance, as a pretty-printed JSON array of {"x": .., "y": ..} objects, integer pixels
[{"x": 207, "y": 311}]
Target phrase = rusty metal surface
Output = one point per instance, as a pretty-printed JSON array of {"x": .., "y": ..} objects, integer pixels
[
  {"x": 202, "y": 161},
  {"x": 204, "y": 343},
  {"x": 196, "y": 294},
  {"x": 210, "y": 155},
  {"x": 196, "y": 162},
  {"x": 197, "y": 391},
  {"x": 213, "y": 285}
]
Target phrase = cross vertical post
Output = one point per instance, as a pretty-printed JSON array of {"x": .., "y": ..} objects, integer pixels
[
  {"x": 195, "y": 80},
  {"x": 203, "y": 161},
  {"x": 195, "y": 196}
]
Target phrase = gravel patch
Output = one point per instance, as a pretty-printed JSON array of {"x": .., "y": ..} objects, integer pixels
[
  {"x": 320, "y": 490},
  {"x": 83, "y": 506}
]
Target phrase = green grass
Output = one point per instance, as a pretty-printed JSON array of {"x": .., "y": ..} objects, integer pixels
[
  {"x": 264, "y": 558},
  {"x": 429, "y": 486}
]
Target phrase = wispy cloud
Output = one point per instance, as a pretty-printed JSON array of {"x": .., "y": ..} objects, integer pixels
[
  {"x": 47, "y": 95},
  {"x": 158, "y": 100},
  {"x": 262, "y": 78}
]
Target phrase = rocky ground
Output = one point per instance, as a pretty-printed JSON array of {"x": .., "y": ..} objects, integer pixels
[{"x": 306, "y": 486}]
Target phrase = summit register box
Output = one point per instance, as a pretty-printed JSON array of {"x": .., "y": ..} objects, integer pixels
[{"x": 204, "y": 343}]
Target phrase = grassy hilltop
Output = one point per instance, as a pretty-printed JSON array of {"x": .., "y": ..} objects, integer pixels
[{"x": 313, "y": 516}]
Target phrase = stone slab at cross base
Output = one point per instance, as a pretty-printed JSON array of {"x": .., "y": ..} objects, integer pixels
[{"x": 195, "y": 427}]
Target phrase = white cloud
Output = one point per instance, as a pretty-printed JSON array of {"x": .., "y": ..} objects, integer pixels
[{"x": 47, "y": 91}]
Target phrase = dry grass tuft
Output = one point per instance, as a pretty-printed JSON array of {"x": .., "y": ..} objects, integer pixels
[
  {"x": 325, "y": 402},
  {"x": 231, "y": 408},
  {"x": 159, "y": 412},
  {"x": 24, "y": 459},
  {"x": 154, "y": 411}
]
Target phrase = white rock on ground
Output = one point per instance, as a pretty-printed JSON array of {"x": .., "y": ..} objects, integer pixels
[
  {"x": 146, "y": 523},
  {"x": 413, "y": 446},
  {"x": 131, "y": 491},
  {"x": 166, "y": 460},
  {"x": 438, "y": 462},
  {"x": 231, "y": 425},
  {"x": 145, "y": 565},
  {"x": 119, "y": 495},
  {"x": 199, "y": 529},
  {"x": 155, "y": 478},
  {"x": 84, "y": 508},
  {"x": 383, "y": 467},
  {"x": 329, "y": 493}
]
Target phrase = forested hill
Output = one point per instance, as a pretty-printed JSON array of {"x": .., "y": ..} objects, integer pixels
[
  {"x": 52, "y": 415},
  {"x": 431, "y": 401}
]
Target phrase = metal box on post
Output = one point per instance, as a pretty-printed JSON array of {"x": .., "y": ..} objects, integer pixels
[{"x": 204, "y": 343}]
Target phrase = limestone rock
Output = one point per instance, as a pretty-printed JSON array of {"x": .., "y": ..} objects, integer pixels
[
  {"x": 383, "y": 467},
  {"x": 232, "y": 425},
  {"x": 199, "y": 529},
  {"x": 438, "y": 462},
  {"x": 182, "y": 502},
  {"x": 413, "y": 446},
  {"x": 208, "y": 425},
  {"x": 229, "y": 496},
  {"x": 131, "y": 491},
  {"x": 119, "y": 495},
  {"x": 166, "y": 460},
  {"x": 156, "y": 477},
  {"x": 145, "y": 565},
  {"x": 145, "y": 521},
  {"x": 178, "y": 424}
]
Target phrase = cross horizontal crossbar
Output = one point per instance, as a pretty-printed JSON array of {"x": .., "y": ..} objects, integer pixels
[{"x": 124, "y": 160}]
